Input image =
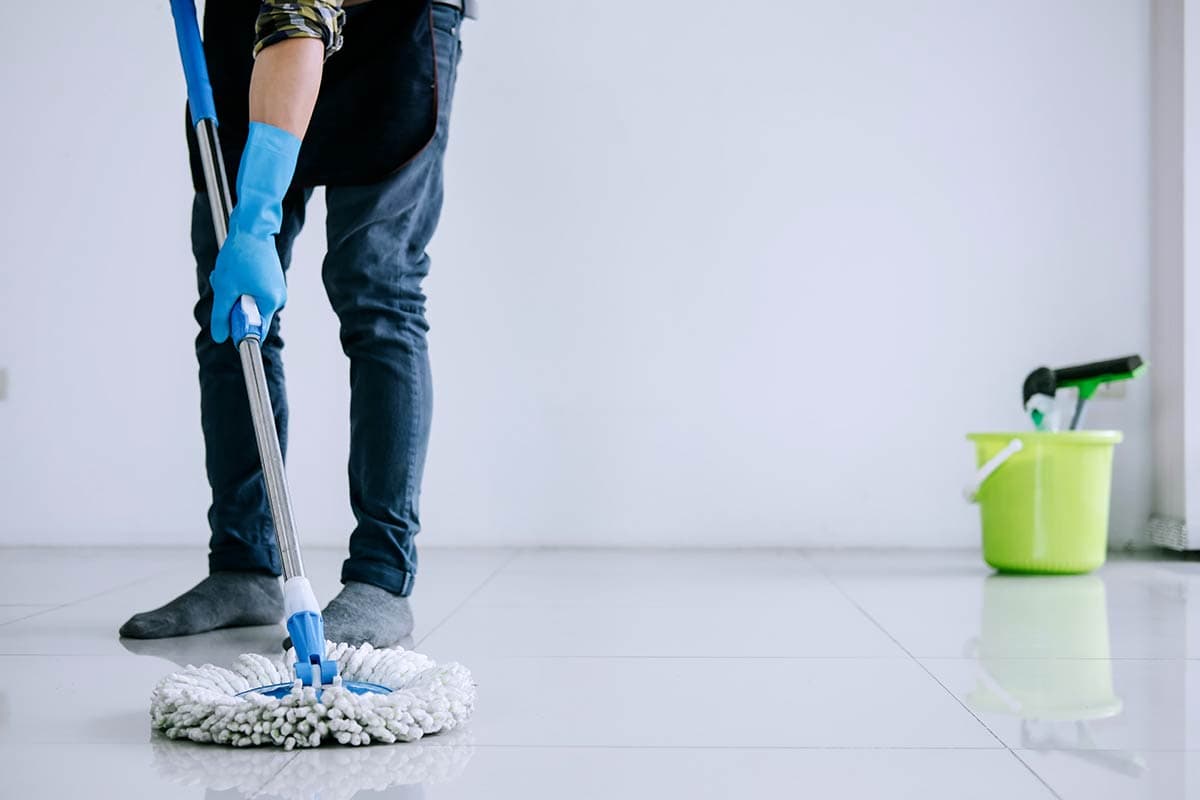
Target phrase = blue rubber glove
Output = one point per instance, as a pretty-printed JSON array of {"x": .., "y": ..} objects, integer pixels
[{"x": 248, "y": 262}]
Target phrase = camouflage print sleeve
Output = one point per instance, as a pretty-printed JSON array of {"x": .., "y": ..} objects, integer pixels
[{"x": 303, "y": 19}]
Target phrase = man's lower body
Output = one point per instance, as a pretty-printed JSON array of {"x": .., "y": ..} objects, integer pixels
[{"x": 376, "y": 261}]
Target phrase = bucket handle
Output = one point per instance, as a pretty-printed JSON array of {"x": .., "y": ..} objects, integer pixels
[{"x": 971, "y": 490}]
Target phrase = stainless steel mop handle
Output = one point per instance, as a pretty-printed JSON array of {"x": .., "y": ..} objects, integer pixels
[
  {"x": 204, "y": 118},
  {"x": 271, "y": 456},
  {"x": 250, "y": 351},
  {"x": 220, "y": 204}
]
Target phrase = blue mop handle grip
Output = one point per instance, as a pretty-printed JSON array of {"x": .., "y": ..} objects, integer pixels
[
  {"x": 245, "y": 320},
  {"x": 195, "y": 67}
]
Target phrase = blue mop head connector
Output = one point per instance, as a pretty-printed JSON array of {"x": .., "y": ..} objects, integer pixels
[
  {"x": 312, "y": 667},
  {"x": 307, "y": 629}
]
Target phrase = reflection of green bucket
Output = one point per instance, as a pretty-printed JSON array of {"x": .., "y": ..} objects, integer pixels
[
  {"x": 1043, "y": 649},
  {"x": 1045, "y": 504}
]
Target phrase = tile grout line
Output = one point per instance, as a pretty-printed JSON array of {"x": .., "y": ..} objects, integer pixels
[
  {"x": 56, "y": 607},
  {"x": 841, "y": 590},
  {"x": 784, "y": 747},
  {"x": 569, "y": 656},
  {"x": 428, "y": 744},
  {"x": 259, "y": 789},
  {"x": 516, "y": 552},
  {"x": 42, "y": 608},
  {"x": 572, "y": 656},
  {"x": 1034, "y": 773}
]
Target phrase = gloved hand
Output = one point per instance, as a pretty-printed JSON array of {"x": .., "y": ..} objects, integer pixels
[{"x": 248, "y": 262}]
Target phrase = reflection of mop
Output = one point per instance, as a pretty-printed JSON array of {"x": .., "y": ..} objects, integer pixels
[{"x": 329, "y": 774}]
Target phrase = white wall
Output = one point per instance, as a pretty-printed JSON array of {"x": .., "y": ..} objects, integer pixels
[
  {"x": 1168, "y": 285},
  {"x": 1190, "y": 361},
  {"x": 1175, "y": 292},
  {"x": 707, "y": 275}
]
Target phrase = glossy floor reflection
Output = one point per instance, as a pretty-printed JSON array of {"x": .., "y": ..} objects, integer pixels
[{"x": 635, "y": 674}]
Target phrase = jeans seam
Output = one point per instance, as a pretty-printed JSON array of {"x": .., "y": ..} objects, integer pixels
[{"x": 415, "y": 399}]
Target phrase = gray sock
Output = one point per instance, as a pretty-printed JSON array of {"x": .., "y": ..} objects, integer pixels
[
  {"x": 365, "y": 613},
  {"x": 222, "y": 600}
]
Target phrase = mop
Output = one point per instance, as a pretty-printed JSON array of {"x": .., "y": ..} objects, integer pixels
[
  {"x": 329, "y": 773},
  {"x": 320, "y": 691}
]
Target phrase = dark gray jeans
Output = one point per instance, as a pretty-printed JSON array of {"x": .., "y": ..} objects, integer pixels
[{"x": 377, "y": 236}]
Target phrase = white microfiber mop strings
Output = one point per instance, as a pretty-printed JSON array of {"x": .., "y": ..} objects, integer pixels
[{"x": 218, "y": 705}]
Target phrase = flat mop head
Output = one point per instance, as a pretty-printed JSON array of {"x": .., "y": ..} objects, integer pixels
[{"x": 412, "y": 697}]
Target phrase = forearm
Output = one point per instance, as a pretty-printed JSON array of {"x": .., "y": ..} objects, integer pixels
[
  {"x": 285, "y": 82},
  {"x": 294, "y": 37}
]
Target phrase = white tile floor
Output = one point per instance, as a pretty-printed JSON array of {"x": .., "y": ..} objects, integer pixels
[{"x": 656, "y": 674}]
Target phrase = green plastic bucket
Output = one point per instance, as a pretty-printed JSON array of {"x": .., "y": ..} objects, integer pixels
[{"x": 1043, "y": 499}]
